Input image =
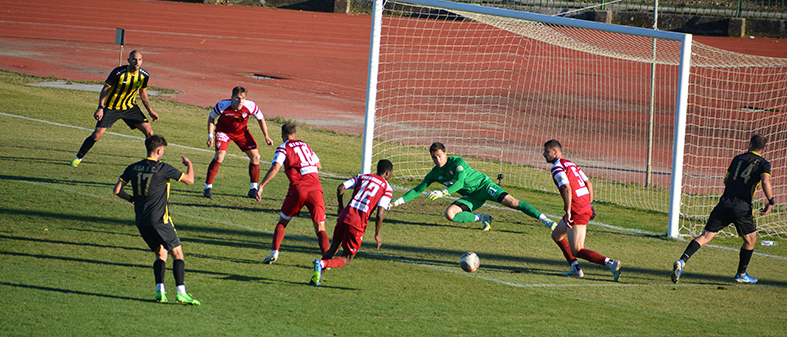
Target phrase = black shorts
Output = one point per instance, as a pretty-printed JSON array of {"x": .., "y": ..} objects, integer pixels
[
  {"x": 733, "y": 211},
  {"x": 160, "y": 234},
  {"x": 131, "y": 116}
]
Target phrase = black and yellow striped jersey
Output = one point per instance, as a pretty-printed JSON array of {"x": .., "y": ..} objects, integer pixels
[{"x": 123, "y": 88}]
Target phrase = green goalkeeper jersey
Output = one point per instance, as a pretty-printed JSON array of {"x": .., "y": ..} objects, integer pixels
[{"x": 456, "y": 175}]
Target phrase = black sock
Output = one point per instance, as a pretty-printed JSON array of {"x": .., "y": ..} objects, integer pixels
[
  {"x": 179, "y": 270},
  {"x": 86, "y": 146},
  {"x": 159, "y": 268},
  {"x": 693, "y": 247},
  {"x": 743, "y": 264}
]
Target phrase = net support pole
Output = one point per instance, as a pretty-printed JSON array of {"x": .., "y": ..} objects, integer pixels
[
  {"x": 371, "y": 86},
  {"x": 679, "y": 140}
]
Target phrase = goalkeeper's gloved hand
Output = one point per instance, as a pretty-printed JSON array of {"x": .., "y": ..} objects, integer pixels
[
  {"x": 437, "y": 194},
  {"x": 397, "y": 202}
]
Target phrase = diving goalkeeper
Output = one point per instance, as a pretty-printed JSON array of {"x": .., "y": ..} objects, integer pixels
[{"x": 474, "y": 187}]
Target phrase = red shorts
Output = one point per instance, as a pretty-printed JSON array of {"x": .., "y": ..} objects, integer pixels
[
  {"x": 349, "y": 236},
  {"x": 295, "y": 200},
  {"x": 244, "y": 140},
  {"x": 579, "y": 218}
]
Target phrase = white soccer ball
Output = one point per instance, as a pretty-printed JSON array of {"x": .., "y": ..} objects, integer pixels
[{"x": 469, "y": 262}]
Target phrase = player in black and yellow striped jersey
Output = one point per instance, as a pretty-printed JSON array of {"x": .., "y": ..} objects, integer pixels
[{"x": 118, "y": 100}]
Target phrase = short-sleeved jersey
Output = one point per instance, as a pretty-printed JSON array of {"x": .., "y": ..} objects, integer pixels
[
  {"x": 370, "y": 191},
  {"x": 300, "y": 164},
  {"x": 566, "y": 173},
  {"x": 456, "y": 175},
  {"x": 744, "y": 175},
  {"x": 149, "y": 181},
  {"x": 231, "y": 121},
  {"x": 123, "y": 87}
]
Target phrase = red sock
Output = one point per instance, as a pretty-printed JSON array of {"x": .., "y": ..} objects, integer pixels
[
  {"x": 336, "y": 262},
  {"x": 323, "y": 241},
  {"x": 278, "y": 236},
  {"x": 254, "y": 173},
  {"x": 587, "y": 254},
  {"x": 566, "y": 249},
  {"x": 213, "y": 170}
]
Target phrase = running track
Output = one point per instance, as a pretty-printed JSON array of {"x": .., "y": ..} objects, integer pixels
[{"x": 202, "y": 51}]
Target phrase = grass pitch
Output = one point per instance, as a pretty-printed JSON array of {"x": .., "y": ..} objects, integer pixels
[{"x": 72, "y": 261}]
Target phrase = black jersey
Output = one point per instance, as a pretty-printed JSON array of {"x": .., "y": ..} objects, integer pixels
[
  {"x": 123, "y": 87},
  {"x": 744, "y": 174},
  {"x": 149, "y": 180}
]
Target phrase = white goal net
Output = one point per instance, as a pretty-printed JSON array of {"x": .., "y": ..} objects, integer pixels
[{"x": 494, "y": 88}]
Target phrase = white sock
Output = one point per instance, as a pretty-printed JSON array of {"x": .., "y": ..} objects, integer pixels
[
  {"x": 182, "y": 289},
  {"x": 160, "y": 287},
  {"x": 207, "y": 186},
  {"x": 478, "y": 217},
  {"x": 253, "y": 186},
  {"x": 607, "y": 261},
  {"x": 543, "y": 217}
]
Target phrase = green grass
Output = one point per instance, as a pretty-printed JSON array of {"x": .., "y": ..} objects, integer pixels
[{"x": 72, "y": 262}]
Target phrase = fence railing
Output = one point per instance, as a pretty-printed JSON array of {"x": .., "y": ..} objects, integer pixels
[{"x": 768, "y": 9}]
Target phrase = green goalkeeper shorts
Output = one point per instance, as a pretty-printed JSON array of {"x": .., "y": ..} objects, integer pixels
[{"x": 486, "y": 191}]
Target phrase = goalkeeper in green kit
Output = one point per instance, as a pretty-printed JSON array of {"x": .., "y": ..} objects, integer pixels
[{"x": 474, "y": 187}]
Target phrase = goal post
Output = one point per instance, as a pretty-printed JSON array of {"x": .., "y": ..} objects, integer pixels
[{"x": 651, "y": 116}]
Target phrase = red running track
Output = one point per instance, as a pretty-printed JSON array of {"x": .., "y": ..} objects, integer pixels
[{"x": 202, "y": 51}]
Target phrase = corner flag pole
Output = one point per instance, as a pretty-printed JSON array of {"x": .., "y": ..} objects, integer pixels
[{"x": 120, "y": 38}]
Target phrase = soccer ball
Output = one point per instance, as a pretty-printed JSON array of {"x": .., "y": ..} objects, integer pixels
[{"x": 469, "y": 262}]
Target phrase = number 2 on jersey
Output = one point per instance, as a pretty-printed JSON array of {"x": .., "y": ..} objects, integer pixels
[{"x": 368, "y": 191}]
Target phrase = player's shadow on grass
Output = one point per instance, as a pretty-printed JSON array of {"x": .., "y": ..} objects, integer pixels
[
  {"x": 77, "y": 292},
  {"x": 219, "y": 275},
  {"x": 218, "y": 208},
  {"x": 64, "y": 182},
  {"x": 61, "y": 217},
  {"x": 58, "y": 242}
]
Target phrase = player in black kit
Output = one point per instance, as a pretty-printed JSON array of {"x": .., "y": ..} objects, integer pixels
[
  {"x": 149, "y": 181},
  {"x": 745, "y": 173}
]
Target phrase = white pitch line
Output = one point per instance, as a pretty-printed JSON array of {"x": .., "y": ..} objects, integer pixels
[{"x": 332, "y": 175}]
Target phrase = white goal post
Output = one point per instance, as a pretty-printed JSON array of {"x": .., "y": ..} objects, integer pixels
[{"x": 493, "y": 85}]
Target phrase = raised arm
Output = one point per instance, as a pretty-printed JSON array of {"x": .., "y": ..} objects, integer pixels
[{"x": 188, "y": 177}]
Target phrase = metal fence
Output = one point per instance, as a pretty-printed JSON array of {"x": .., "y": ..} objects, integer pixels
[{"x": 769, "y": 9}]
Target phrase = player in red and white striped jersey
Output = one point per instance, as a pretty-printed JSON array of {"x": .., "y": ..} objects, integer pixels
[
  {"x": 302, "y": 167},
  {"x": 371, "y": 191},
  {"x": 577, "y": 192},
  {"x": 228, "y": 119}
]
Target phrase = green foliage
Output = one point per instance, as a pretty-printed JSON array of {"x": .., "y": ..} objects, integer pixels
[{"x": 73, "y": 262}]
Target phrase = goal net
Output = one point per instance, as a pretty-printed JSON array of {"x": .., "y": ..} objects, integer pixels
[{"x": 493, "y": 88}]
